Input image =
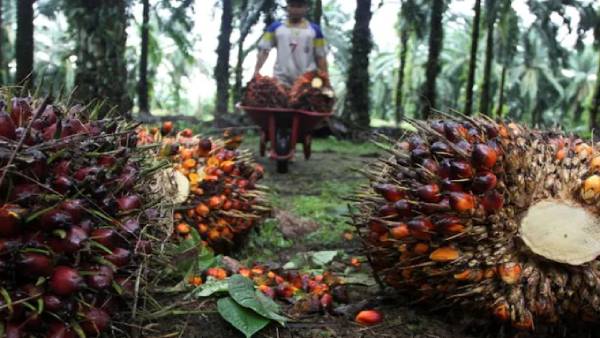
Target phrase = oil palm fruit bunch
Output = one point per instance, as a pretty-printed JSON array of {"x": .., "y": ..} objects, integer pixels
[
  {"x": 265, "y": 91},
  {"x": 312, "y": 91},
  {"x": 217, "y": 188},
  {"x": 494, "y": 217},
  {"x": 70, "y": 218}
]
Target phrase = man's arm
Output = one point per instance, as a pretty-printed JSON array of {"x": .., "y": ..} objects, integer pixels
[
  {"x": 263, "y": 54},
  {"x": 322, "y": 65}
]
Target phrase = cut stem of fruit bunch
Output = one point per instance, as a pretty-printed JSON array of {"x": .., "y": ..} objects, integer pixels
[
  {"x": 222, "y": 201},
  {"x": 490, "y": 216},
  {"x": 70, "y": 218}
]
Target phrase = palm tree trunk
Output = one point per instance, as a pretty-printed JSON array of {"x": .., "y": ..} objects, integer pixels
[
  {"x": 318, "y": 12},
  {"x": 596, "y": 100},
  {"x": 436, "y": 36},
  {"x": 24, "y": 42},
  {"x": 473, "y": 59},
  {"x": 100, "y": 42},
  {"x": 239, "y": 67},
  {"x": 143, "y": 94},
  {"x": 484, "y": 103},
  {"x": 357, "y": 98},
  {"x": 222, "y": 68},
  {"x": 501, "y": 95},
  {"x": 400, "y": 85}
]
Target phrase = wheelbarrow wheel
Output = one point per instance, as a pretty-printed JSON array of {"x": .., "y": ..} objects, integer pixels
[
  {"x": 282, "y": 166},
  {"x": 282, "y": 147}
]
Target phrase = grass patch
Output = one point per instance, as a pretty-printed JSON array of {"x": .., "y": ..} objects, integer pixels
[
  {"x": 263, "y": 242},
  {"x": 325, "y": 145}
]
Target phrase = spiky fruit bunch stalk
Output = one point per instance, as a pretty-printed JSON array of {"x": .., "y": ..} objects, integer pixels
[
  {"x": 264, "y": 91},
  {"x": 493, "y": 217},
  {"x": 221, "y": 198},
  {"x": 69, "y": 218},
  {"x": 312, "y": 92}
]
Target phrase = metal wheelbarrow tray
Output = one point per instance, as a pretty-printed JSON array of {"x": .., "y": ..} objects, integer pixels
[{"x": 282, "y": 128}]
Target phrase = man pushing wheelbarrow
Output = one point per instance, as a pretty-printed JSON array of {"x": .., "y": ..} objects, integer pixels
[{"x": 287, "y": 116}]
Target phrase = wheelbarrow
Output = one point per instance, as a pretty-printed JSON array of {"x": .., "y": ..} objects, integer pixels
[{"x": 282, "y": 128}]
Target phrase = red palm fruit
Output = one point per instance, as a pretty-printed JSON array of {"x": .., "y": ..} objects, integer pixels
[
  {"x": 483, "y": 182},
  {"x": 460, "y": 169},
  {"x": 444, "y": 168},
  {"x": 441, "y": 149},
  {"x": 403, "y": 208},
  {"x": 390, "y": 192},
  {"x": 100, "y": 278},
  {"x": 369, "y": 317},
  {"x": 438, "y": 126},
  {"x": 130, "y": 226},
  {"x": 50, "y": 132},
  {"x": 166, "y": 128},
  {"x": 465, "y": 146},
  {"x": 388, "y": 210},
  {"x": 65, "y": 281},
  {"x": 429, "y": 193},
  {"x": 24, "y": 191},
  {"x": 129, "y": 203},
  {"x": 75, "y": 208},
  {"x": 106, "y": 161},
  {"x": 62, "y": 168},
  {"x": 455, "y": 131},
  {"x": 484, "y": 156},
  {"x": 431, "y": 166},
  {"x": 7, "y": 126},
  {"x": 492, "y": 201},
  {"x": 62, "y": 184},
  {"x": 421, "y": 228},
  {"x": 326, "y": 301},
  {"x": 53, "y": 303},
  {"x": 96, "y": 321},
  {"x": 377, "y": 227},
  {"x": 105, "y": 236},
  {"x": 448, "y": 185},
  {"x": 120, "y": 257},
  {"x": 86, "y": 173},
  {"x": 55, "y": 219},
  {"x": 267, "y": 290},
  {"x": 187, "y": 132},
  {"x": 20, "y": 111},
  {"x": 415, "y": 142},
  {"x": 72, "y": 126},
  {"x": 34, "y": 264},
  {"x": 419, "y": 154},
  {"x": 462, "y": 202},
  {"x": 10, "y": 220}
]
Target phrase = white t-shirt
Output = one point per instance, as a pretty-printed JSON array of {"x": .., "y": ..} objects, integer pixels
[{"x": 298, "y": 46}]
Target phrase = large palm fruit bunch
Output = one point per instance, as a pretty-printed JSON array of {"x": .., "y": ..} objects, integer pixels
[
  {"x": 219, "y": 196},
  {"x": 312, "y": 92},
  {"x": 494, "y": 217},
  {"x": 266, "y": 92},
  {"x": 70, "y": 218}
]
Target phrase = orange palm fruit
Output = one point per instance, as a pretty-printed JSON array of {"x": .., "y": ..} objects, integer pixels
[{"x": 369, "y": 317}]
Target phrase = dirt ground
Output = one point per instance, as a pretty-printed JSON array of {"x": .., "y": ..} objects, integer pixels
[{"x": 305, "y": 182}]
